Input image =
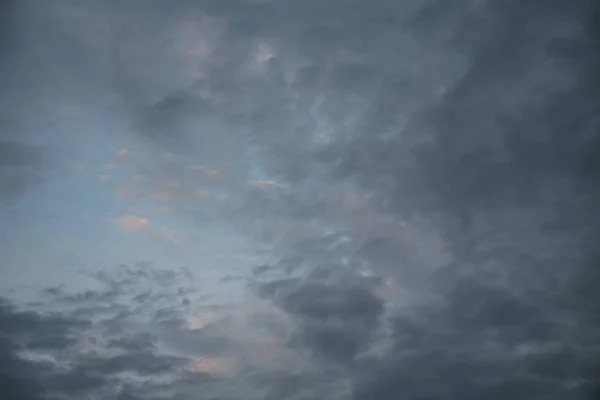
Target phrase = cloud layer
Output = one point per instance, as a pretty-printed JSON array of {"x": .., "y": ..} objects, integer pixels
[{"x": 372, "y": 200}]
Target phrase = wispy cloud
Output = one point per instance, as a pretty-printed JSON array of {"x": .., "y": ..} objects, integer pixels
[{"x": 372, "y": 199}]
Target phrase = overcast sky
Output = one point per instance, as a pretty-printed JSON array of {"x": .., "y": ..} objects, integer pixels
[{"x": 299, "y": 199}]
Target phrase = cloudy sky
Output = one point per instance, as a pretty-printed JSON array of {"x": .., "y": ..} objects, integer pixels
[{"x": 299, "y": 199}]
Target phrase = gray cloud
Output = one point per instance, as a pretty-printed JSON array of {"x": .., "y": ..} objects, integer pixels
[
  {"x": 59, "y": 331},
  {"x": 494, "y": 167},
  {"x": 423, "y": 177},
  {"x": 138, "y": 342},
  {"x": 20, "y": 162},
  {"x": 18, "y": 377},
  {"x": 81, "y": 350},
  {"x": 19, "y": 167},
  {"x": 142, "y": 362},
  {"x": 336, "y": 319}
]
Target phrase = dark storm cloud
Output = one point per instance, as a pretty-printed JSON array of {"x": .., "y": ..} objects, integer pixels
[
  {"x": 26, "y": 328},
  {"x": 498, "y": 160},
  {"x": 447, "y": 148},
  {"x": 80, "y": 349},
  {"x": 499, "y": 165},
  {"x": 487, "y": 347},
  {"x": 19, "y": 379},
  {"x": 336, "y": 319}
]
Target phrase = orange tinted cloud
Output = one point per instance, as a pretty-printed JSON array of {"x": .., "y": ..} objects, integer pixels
[{"x": 132, "y": 223}]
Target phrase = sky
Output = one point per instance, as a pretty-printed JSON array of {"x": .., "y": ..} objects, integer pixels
[{"x": 299, "y": 199}]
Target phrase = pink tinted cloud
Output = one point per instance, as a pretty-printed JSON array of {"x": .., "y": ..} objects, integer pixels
[{"x": 132, "y": 223}]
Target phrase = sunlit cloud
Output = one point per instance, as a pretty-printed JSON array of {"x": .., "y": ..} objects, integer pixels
[{"x": 132, "y": 223}]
